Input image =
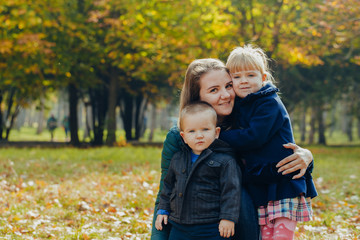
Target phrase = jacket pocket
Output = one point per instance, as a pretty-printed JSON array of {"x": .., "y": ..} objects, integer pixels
[
  {"x": 173, "y": 202},
  {"x": 207, "y": 205}
]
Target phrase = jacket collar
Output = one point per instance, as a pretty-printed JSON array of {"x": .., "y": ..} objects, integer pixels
[{"x": 266, "y": 90}]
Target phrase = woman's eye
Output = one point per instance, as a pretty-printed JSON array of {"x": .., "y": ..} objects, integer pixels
[
  {"x": 213, "y": 90},
  {"x": 229, "y": 86}
]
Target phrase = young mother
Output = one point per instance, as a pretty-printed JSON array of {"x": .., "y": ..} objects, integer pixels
[{"x": 208, "y": 80}]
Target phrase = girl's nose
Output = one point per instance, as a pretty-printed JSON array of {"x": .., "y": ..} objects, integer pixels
[{"x": 243, "y": 79}]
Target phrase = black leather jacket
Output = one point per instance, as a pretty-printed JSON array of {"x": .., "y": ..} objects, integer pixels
[{"x": 205, "y": 192}]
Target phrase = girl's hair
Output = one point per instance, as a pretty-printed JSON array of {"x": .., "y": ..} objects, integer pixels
[
  {"x": 248, "y": 58},
  {"x": 191, "y": 88},
  {"x": 195, "y": 108}
]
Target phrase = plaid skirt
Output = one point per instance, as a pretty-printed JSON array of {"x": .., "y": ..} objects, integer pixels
[{"x": 297, "y": 209}]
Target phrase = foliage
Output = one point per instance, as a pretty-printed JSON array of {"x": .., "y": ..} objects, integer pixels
[{"x": 140, "y": 50}]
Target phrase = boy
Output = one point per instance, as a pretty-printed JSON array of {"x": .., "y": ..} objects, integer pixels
[{"x": 202, "y": 186}]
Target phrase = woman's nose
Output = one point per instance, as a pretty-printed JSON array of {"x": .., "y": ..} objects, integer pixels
[{"x": 225, "y": 94}]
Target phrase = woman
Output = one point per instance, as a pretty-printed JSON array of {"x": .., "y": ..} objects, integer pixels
[{"x": 208, "y": 80}]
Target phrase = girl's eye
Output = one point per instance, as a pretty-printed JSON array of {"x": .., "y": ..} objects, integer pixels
[
  {"x": 214, "y": 90},
  {"x": 191, "y": 131}
]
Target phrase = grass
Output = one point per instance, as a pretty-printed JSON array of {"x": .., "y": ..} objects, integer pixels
[
  {"x": 29, "y": 134},
  {"x": 108, "y": 193}
]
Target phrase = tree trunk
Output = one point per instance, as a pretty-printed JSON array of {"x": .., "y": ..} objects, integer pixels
[
  {"x": 349, "y": 127},
  {"x": 73, "y": 102},
  {"x": 312, "y": 126},
  {"x": 126, "y": 113},
  {"x": 153, "y": 122},
  {"x": 321, "y": 125},
  {"x": 12, "y": 119},
  {"x": 111, "y": 120},
  {"x": 1, "y": 117},
  {"x": 87, "y": 121},
  {"x": 99, "y": 104},
  {"x": 10, "y": 102},
  {"x": 358, "y": 127},
  {"x": 140, "y": 121},
  {"x": 303, "y": 125},
  {"x": 333, "y": 120},
  {"x": 41, "y": 116}
]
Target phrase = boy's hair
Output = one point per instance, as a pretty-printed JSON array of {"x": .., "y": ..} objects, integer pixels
[
  {"x": 191, "y": 88},
  {"x": 248, "y": 58},
  {"x": 194, "y": 108}
]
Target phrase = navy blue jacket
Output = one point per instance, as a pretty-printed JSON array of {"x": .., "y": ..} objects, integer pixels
[
  {"x": 205, "y": 192},
  {"x": 262, "y": 127}
]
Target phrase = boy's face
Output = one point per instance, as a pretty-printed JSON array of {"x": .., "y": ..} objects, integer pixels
[
  {"x": 246, "y": 82},
  {"x": 199, "y": 131}
]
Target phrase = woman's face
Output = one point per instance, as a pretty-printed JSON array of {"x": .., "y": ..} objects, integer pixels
[{"x": 216, "y": 88}]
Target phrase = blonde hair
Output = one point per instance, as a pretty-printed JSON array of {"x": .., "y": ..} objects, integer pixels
[
  {"x": 248, "y": 58},
  {"x": 191, "y": 88},
  {"x": 195, "y": 108}
]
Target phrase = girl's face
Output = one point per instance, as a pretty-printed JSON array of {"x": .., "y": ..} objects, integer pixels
[
  {"x": 246, "y": 82},
  {"x": 216, "y": 88}
]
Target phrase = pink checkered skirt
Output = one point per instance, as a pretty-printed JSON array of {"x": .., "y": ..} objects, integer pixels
[{"x": 297, "y": 209}]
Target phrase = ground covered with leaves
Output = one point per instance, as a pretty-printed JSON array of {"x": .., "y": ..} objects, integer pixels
[{"x": 108, "y": 193}]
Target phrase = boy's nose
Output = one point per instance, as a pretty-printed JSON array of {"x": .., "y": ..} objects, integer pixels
[{"x": 199, "y": 135}]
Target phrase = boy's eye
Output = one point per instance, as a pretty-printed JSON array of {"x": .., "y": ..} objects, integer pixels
[{"x": 191, "y": 131}]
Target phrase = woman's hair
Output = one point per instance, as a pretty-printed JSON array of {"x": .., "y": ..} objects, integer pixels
[
  {"x": 195, "y": 108},
  {"x": 191, "y": 88},
  {"x": 248, "y": 58}
]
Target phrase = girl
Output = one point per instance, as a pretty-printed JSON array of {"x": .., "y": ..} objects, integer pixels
[
  {"x": 208, "y": 80},
  {"x": 263, "y": 126}
]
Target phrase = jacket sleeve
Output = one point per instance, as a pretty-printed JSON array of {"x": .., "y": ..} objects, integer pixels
[
  {"x": 230, "y": 181},
  {"x": 266, "y": 120},
  {"x": 268, "y": 173},
  {"x": 168, "y": 185},
  {"x": 172, "y": 144}
]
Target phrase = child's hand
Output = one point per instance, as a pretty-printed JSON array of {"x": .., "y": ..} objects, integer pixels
[
  {"x": 226, "y": 228},
  {"x": 159, "y": 220}
]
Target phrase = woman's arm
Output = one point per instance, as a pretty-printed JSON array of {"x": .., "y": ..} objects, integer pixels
[
  {"x": 301, "y": 159},
  {"x": 171, "y": 145}
]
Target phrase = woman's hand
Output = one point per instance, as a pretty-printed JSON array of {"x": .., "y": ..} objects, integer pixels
[{"x": 299, "y": 160}]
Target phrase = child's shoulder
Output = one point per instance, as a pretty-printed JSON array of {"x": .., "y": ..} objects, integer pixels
[{"x": 222, "y": 151}]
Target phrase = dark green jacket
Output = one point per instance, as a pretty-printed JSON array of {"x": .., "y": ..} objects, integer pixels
[{"x": 172, "y": 144}]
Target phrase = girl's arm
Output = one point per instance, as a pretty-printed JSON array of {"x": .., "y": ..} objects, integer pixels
[{"x": 264, "y": 123}]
